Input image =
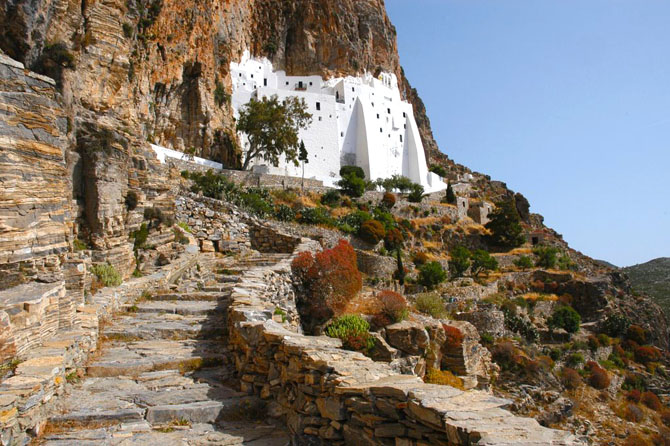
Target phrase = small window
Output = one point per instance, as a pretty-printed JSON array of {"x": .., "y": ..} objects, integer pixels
[
  {"x": 265, "y": 82},
  {"x": 373, "y": 104},
  {"x": 400, "y": 138},
  {"x": 318, "y": 106},
  {"x": 405, "y": 126},
  {"x": 240, "y": 74},
  {"x": 381, "y": 130},
  {"x": 252, "y": 76},
  {"x": 286, "y": 83},
  {"x": 353, "y": 89},
  {"x": 320, "y": 118},
  {"x": 342, "y": 134},
  {"x": 310, "y": 84},
  {"x": 377, "y": 115},
  {"x": 404, "y": 115},
  {"x": 389, "y": 110}
]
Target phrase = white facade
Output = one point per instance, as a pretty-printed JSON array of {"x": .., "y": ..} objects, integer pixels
[{"x": 359, "y": 121}]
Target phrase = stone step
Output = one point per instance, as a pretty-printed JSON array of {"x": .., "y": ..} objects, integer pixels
[
  {"x": 213, "y": 295},
  {"x": 92, "y": 417},
  {"x": 166, "y": 326},
  {"x": 187, "y": 307},
  {"x": 136, "y": 358}
]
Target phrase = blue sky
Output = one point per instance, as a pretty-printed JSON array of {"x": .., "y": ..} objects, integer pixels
[{"x": 567, "y": 101}]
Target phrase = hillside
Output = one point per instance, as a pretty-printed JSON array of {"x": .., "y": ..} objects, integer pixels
[
  {"x": 652, "y": 278},
  {"x": 213, "y": 297}
]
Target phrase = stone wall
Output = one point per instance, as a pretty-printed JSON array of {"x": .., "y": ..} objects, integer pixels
[
  {"x": 331, "y": 396},
  {"x": 35, "y": 211},
  {"x": 375, "y": 265},
  {"x": 265, "y": 239}
]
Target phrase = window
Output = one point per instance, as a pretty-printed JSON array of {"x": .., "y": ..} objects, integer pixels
[
  {"x": 381, "y": 130},
  {"x": 342, "y": 134},
  {"x": 377, "y": 115},
  {"x": 286, "y": 82},
  {"x": 252, "y": 76},
  {"x": 318, "y": 106},
  {"x": 373, "y": 104},
  {"x": 404, "y": 115},
  {"x": 388, "y": 110},
  {"x": 405, "y": 126},
  {"x": 310, "y": 84},
  {"x": 265, "y": 82},
  {"x": 320, "y": 118},
  {"x": 400, "y": 138},
  {"x": 353, "y": 89}
]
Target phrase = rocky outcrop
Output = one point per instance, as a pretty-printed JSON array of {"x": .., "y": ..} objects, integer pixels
[{"x": 35, "y": 216}]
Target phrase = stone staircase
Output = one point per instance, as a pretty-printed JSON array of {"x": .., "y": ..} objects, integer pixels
[{"x": 160, "y": 375}]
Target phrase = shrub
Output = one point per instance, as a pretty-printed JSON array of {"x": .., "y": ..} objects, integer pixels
[
  {"x": 650, "y": 400},
  {"x": 397, "y": 182},
  {"x": 637, "y": 334},
  {"x": 331, "y": 198},
  {"x": 352, "y": 185},
  {"x": 140, "y": 236},
  {"x": 79, "y": 245},
  {"x": 388, "y": 200},
  {"x": 599, "y": 378},
  {"x": 566, "y": 318},
  {"x": 353, "y": 221},
  {"x": 616, "y": 324},
  {"x": 394, "y": 306},
  {"x": 665, "y": 417},
  {"x": 483, "y": 261},
  {"x": 284, "y": 213},
  {"x": 107, "y": 275},
  {"x": 257, "y": 202},
  {"x": 459, "y": 261},
  {"x": 634, "y": 382},
  {"x": 647, "y": 354},
  {"x": 604, "y": 340},
  {"x": 443, "y": 378},
  {"x": 393, "y": 239},
  {"x": 487, "y": 338},
  {"x": 354, "y": 331},
  {"x": 352, "y": 170},
  {"x": 454, "y": 337},
  {"x": 180, "y": 237},
  {"x": 523, "y": 263},
  {"x": 594, "y": 343},
  {"x": 546, "y": 256},
  {"x": 439, "y": 170},
  {"x": 570, "y": 378},
  {"x": 314, "y": 216},
  {"x": 506, "y": 355},
  {"x": 420, "y": 258},
  {"x": 131, "y": 200},
  {"x": 431, "y": 274},
  {"x": 430, "y": 304},
  {"x": 634, "y": 396},
  {"x": 372, "y": 231},
  {"x": 416, "y": 193},
  {"x": 329, "y": 280},
  {"x": 574, "y": 359},
  {"x": 449, "y": 196},
  {"x": 220, "y": 95}
]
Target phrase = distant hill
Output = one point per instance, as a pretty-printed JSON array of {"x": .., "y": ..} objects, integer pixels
[
  {"x": 607, "y": 264},
  {"x": 652, "y": 278}
]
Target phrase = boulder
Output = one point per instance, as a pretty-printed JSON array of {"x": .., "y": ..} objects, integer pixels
[{"x": 409, "y": 337}]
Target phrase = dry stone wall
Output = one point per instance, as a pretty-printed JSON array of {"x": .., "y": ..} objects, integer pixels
[{"x": 331, "y": 396}]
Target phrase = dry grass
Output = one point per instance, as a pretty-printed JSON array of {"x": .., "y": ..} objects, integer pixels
[
  {"x": 426, "y": 221},
  {"x": 519, "y": 251},
  {"x": 364, "y": 303},
  {"x": 340, "y": 212},
  {"x": 539, "y": 296}
]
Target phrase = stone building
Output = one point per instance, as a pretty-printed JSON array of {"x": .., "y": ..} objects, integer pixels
[{"x": 479, "y": 212}]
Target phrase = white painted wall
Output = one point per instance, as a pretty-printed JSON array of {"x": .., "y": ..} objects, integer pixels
[
  {"x": 358, "y": 120},
  {"x": 162, "y": 153}
]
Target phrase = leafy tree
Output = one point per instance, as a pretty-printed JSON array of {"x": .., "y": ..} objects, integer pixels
[
  {"x": 450, "y": 196},
  {"x": 483, "y": 261},
  {"x": 353, "y": 181},
  {"x": 372, "y": 231},
  {"x": 505, "y": 226},
  {"x": 459, "y": 261},
  {"x": 566, "y": 318},
  {"x": 272, "y": 128},
  {"x": 304, "y": 158},
  {"x": 431, "y": 274},
  {"x": 547, "y": 256},
  {"x": 397, "y": 182},
  {"x": 524, "y": 263}
]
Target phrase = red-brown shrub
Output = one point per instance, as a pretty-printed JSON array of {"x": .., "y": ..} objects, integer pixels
[
  {"x": 420, "y": 258},
  {"x": 590, "y": 365},
  {"x": 380, "y": 321},
  {"x": 629, "y": 345},
  {"x": 637, "y": 334},
  {"x": 662, "y": 438},
  {"x": 565, "y": 299},
  {"x": 599, "y": 378},
  {"x": 537, "y": 285},
  {"x": 454, "y": 336},
  {"x": 634, "y": 396},
  {"x": 394, "y": 305},
  {"x": 330, "y": 279},
  {"x": 650, "y": 400},
  {"x": 665, "y": 416},
  {"x": 388, "y": 200},
  {"x": 372, "y": 231},
  {"x": 647, "y": 354},
  {"x": 570, "y": 378},
  {"x": 635, "y": 440},
  {"x": 393, "y": 239}
]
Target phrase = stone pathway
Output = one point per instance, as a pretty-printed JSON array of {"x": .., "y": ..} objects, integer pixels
[{"x": 159, "y": 378}]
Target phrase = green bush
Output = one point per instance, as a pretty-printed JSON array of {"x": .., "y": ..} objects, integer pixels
[
  {"x": 416, "y": 193},
  {"x": 352, "y": 185},
  {"x": 352, "y": 170},
  {"x": 566, "y": 318},
  {"x": 430, "y": 304},
  {"x": 449, "y": 196},
  {"x": 353, "y": 221},
  {"x": 127, "y": 30},
  {"x": 220, "y": 95},
  {"x": 331, "y": 198},
  {"x": 256, "y": 202},
  {"x": 140, "y": 236},
  {"x": 131, "y": 200},
  {"x": 547, "y": 256},
  {"x": 483, "y": 261},
  {"x": 79, "y": 245},
  {"x": 565, "y": 263},
  {"x": 431, "y": 274},
  {"x": 284, "y": 213},
  {"x": 439, "y": 170},
  {"x": 372, "y": 231},
  {"x": 505, "y": 226},
  {"x": 107, "y": 275},
  {"x": 616, "y": 325},
  {"x": 185, "y": 227},
  {"x": 523, "y": 263},
  {"x": 315, "y": 216},
  {"x": 574, "y": 359},
  {"x": 388, "y": 200},
  {"x": 397, "y": 182},
  {"x": 354, "y": 331},
  {"x": 459, "y": 261}
]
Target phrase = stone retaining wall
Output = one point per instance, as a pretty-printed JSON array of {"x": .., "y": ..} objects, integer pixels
[
  {"x": 331, "y": 396},
  {"x": 265, "y": 239}
]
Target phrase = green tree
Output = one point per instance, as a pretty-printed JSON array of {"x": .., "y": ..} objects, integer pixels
[
  {"x": 400, "y": 271},
  {"x": 431, "y": 274},
  {"x": 547, "y": 256},
  {"x": 353, "y": 181},
  {"x": 566, "y": 318},
  {"x": 523, "y": 263},
  {"x": 505, "y": 226},
  {"x": 416, "y": 193},
  {"x": 304, "y": 158},
  {"x": 450, "y": 196},
  {"x": 483, "y": 261},
  {"x": 459, "y": 261},
  {"x": 272, "y": 128}
]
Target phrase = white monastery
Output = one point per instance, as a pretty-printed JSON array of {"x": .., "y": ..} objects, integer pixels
[{"x": 359, "y": 121}]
